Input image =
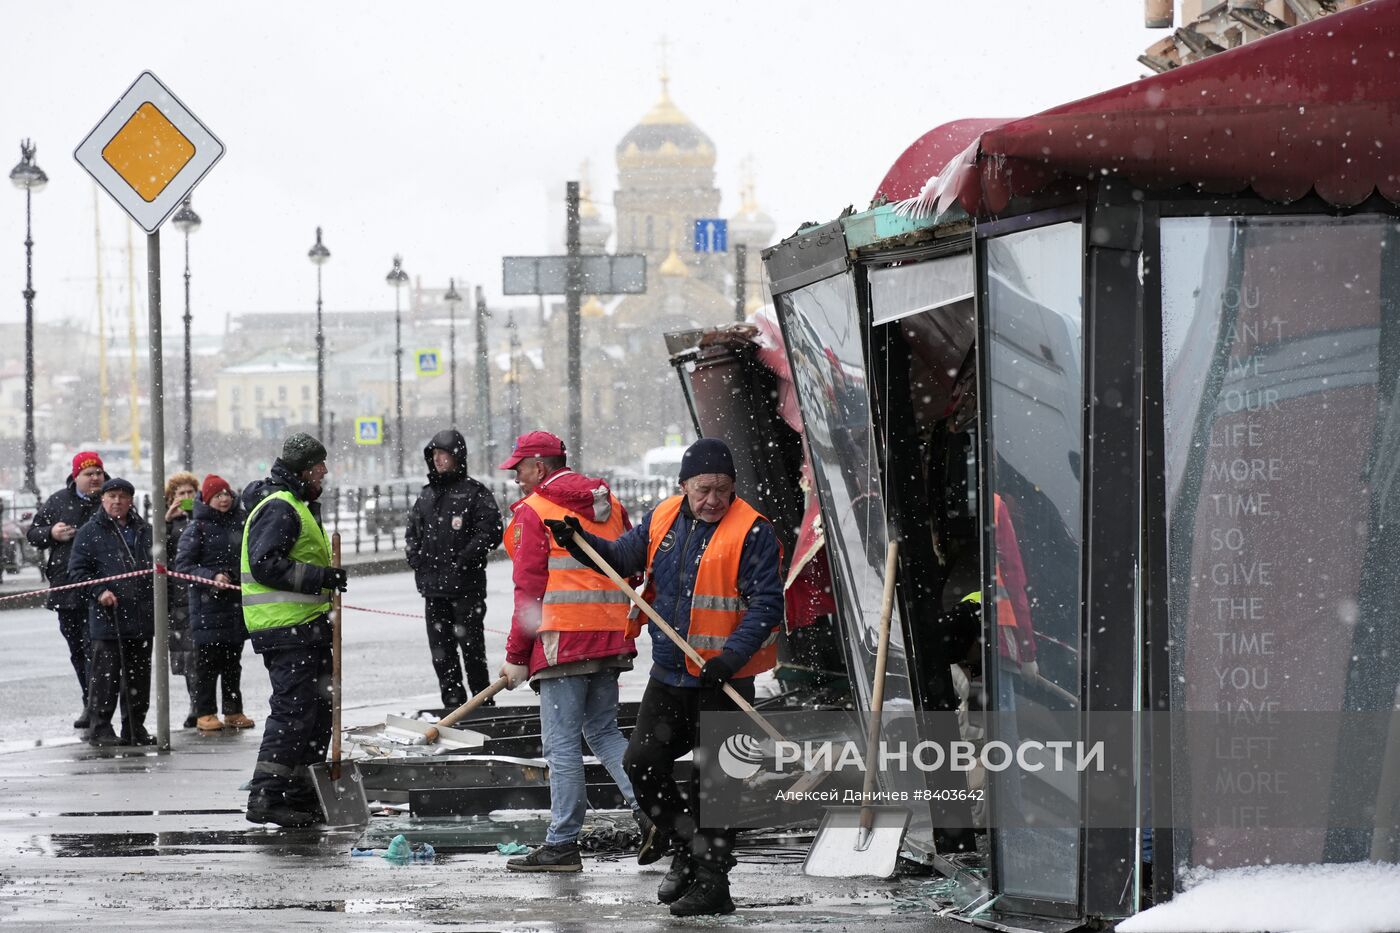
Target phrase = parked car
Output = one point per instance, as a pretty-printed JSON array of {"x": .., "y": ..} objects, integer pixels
[{"x": 15, "y": 550}]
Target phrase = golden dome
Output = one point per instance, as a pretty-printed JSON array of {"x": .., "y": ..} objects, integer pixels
[
  {"x": 593, "y": 308},
  {"x": 674, "y": 267},
  {"x": 665, "y": 131}
]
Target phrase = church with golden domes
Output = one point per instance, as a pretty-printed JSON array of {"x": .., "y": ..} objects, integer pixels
[{"x": 665, "y": 182}]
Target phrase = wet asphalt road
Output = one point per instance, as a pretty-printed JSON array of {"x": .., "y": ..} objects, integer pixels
[{"x": 140, "y": 840}]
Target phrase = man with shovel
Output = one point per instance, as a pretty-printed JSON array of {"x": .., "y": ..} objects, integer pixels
[
  {"x": 714, "y": 563},
  {"x": 287, "y": 577},
  {"x": 570, "y": 633}
]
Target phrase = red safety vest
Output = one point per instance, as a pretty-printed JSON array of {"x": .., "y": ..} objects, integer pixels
[
  {"x": 716, "y": 608},
  {"x": 576, "y": 599}
]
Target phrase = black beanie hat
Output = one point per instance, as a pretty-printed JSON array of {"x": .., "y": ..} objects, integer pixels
[
  {"x": 707, "y": 455},
  {"x": 301, "y": 451}
]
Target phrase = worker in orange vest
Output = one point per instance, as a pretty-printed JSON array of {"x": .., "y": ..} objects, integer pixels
[
  {"x": 714, "y": 566},
  {"x": 568, "y": 635}
]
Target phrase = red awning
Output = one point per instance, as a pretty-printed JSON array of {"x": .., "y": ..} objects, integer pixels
[
  {"x": 1313, "y": 108},
  {"x": 930, "y": 152}
]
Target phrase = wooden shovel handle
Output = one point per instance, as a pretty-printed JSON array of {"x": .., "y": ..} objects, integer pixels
[
  {"x": 877, "y": 691},
  {"x": 672, "y": 634},
  {"x": 335, "y": 663},
  {"x": 466, "y": 709}
]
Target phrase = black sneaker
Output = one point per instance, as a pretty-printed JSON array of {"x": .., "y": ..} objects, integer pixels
[
  {"x": 708, "y": 894},
  {"x": 561, "y": 857},
  {"x": 102, "y": 736},
  {"x": 678, "y": 879},
  {"x": 286, "y": 816},
  {"x": 83, "y": 721},
  {"x": 655, "y": 842}
]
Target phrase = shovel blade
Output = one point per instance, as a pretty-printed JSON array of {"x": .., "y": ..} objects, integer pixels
[
  {"x": 342, "y": 798},
  {"x": 837, "y": 853},
  {"x": 448, "y": 737}
]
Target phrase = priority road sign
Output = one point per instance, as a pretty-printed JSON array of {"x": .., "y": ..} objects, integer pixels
[
  {"x": 711, "y": 235},
  {"x": 429, "y": 362},
  {"x": 369, "y": 431},
  {"x": 149, "y": 152}
]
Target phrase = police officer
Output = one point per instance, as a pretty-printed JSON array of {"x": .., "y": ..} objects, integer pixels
[
  {"x": 714, "y": 565},
  {"x": 287, "y": 578},
  {"x": 452, "y": 527}
]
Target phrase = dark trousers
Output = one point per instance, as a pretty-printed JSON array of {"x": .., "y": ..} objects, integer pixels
[
  {"x": 667, "y": 723},
  {"x": 298, "y": 727},
  {"x": 73, "y": 626},
  {"x": 455, "y": 624},
  {"x": 120, "y": 675},
  {"x": 215, "y": 666}
]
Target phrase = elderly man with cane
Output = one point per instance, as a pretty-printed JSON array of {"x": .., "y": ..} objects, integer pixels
[{"x": 714, "y": 565}]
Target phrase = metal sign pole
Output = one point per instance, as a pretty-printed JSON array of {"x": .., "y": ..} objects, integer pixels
[
  {"x": 161, "y": 648},
  {"x": 573, "y": 296},
  {"x": 741, "y": 263}
]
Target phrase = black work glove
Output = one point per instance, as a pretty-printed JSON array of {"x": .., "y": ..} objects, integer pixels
[
  {"x": 719, "y": 670},
  {"x": 563, "y": 529},
  {"x": 335, "y": 578}
]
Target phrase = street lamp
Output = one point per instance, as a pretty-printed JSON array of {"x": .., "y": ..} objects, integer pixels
[
  {"x": 452, "y": 298},
  {"x": 187, "y": 222},
  {"x": 319, "y": 255},
  {"x": 31, "y": 178},
  {"x": 397, "y": 277}
]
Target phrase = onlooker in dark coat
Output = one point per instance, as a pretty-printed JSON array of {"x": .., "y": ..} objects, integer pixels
[
  {"x": 452, "y": 528},
  {"x": 210, "y": 549},
  {"x": 121, "y": 614},
  {"x": 55, "y": 525},
  {"x": 180, "y": 491}
]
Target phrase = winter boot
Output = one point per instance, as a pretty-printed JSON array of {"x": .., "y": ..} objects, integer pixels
[
  {"x": 656, "y": 842},
  {"x": 237, "y": 721},
  {"x": 679, "y": 879},
  {"x": 262, "y": 809},
  {"x": 135, "y": 734},
  {"x": 102, "y": 735},
  {"x": 210, "y": 723},
  {"x": 561, "y": 857},
  {"x": 707, "y": 894},
  {"x": 83, "y": 721}
]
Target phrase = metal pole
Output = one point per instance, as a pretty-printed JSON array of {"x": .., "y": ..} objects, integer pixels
[
  {"x": 398, "y": 383},
  {"x": 514, "y": 378},
  {"x": 188, "y": 449},
  {"x": 452, "y": 356},
  {"x": 741, "y": 264},
  {"x": 574, "y": 295},
  {"x": 483, "y": 385},
  {"x": 320, "y": 362},
  {"x": 30, "y": 484},
  {"x": 161, "y": 649}
]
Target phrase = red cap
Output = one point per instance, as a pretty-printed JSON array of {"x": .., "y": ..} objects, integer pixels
[
  {"x": 84, "y": 459},
  {"x": 534, "y": 444},
  {"x": 213, "y": 485}
]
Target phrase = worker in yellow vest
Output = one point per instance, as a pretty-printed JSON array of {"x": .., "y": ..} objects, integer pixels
[
  {"x": 714, "y": 566},
  {"x": 568, "y": 635}
]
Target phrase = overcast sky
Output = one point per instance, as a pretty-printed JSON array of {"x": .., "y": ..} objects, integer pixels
[{"x": 445, "y": 131}]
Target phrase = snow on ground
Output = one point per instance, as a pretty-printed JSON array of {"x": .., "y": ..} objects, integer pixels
[{"x": 1362, "y": 897}]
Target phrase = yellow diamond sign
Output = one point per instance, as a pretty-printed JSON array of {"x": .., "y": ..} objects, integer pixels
[{"x": 149, "y": 152}]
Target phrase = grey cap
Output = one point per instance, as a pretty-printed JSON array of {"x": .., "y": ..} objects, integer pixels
[{"x": 301, "y": 451}]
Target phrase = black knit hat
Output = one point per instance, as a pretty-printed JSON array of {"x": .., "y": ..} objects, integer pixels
[
  {"x": 301, "y": 451},
  {"x": 117, "y": 484},
  {"x": 707, "y": 455}
]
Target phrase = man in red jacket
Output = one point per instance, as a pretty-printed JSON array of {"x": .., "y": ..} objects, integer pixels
[{"x": 569, "y": 634}]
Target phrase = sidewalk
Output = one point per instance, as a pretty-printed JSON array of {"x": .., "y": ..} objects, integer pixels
[{"x": 137, "y": 839}]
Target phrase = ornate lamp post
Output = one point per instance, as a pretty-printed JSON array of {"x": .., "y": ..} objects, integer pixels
[
  {"x": 31, "y": 178},
  {"x": 397, "y": 277},
  {"x": 319, "y": 255},
  {"x": 187, "y": 222},
  {"x": 452, "y": 298}
]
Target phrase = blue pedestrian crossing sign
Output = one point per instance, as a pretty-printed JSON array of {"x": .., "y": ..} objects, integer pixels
[
  {"x": 429, "y": 362},
  {"x": 369, "y": 431},
  {"x": 711, "y": 235}
]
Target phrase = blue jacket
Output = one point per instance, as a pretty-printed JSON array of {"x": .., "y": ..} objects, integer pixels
[
  {"x": 673, "y": 582},
  {"x": 271, "y": 534},
  {"x": 100, "y": 550},
  {"x": 211, "y": 546}
]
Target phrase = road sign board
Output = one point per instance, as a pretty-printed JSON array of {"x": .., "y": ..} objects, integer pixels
[
  {"x": 600, "y": 274},
  {"x": 149, "y": 152},
  {"x": 428, "y": 362},
  {"x": 711, "y": 235},
  {"x": 369, "y": 431}
]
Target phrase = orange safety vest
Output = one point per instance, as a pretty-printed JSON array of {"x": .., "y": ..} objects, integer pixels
[
  {"x": 716, "y": 607},
  {"x": 576, "y": 599}
]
